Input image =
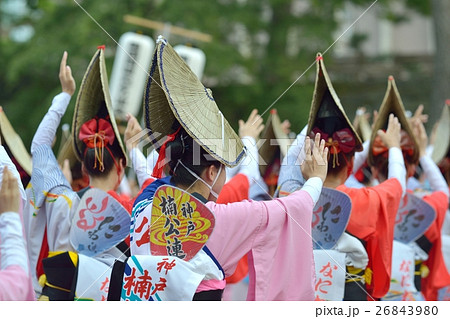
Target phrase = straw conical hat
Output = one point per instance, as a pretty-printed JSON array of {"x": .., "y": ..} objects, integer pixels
[
  {"x": 174, "y": 95},
  {"x": 272, "y": 131},
  {"x": 364, "y": 130},
  {"x": 326, "y": 103},
  {"x": 392, "y": 103},
  {"x": 441, "y": 148},
  {"x": 67, "y": 152},
  {"x": 14, "y": 143},
  {"x": 94, "y": 100}
]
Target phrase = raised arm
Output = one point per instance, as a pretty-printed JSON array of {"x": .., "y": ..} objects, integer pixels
[
  {"x": 295, "y": 156},
  {"x": 5, "y": 161},
  {"x": 431, "y": 170},
  {"x": 15, "y": 282},
  {"x": 45, "y": 134},
  {"x": 391, "y": 138},
  {"x": 314, "y": 167},
  {"x": 249, "y": 133},
  {"x": 132, "y": 137}
]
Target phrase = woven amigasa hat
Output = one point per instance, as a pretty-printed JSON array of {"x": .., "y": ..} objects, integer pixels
[
  {"x": 327, "y": 116},
  {"x": 273, "y": 134},
  {"x": 392, "y": 103},
  {"x": 441, "y": 148},
  {"x": 14, "y": 144},
  {"x": 94, "y": 101},
  {"x": 364, "y": 130},
  {"x": 66, "y": 151},
  {"x": 174, "y": 96}
]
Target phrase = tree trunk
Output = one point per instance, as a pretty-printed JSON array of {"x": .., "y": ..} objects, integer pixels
[{"x": 441, "y": 76}]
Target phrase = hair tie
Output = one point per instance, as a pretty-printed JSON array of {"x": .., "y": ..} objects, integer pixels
[
  {"x": 340, "y": 141},
  {"x": 158, "y": 169},
  {"x": 97, "y": 134}
]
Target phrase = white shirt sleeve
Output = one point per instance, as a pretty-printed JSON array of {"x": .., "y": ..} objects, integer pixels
[
  {"x": 12, "y": 245},
  {"x": 250, "y": 164},
  {"x": 396, "y": 167},
  {"x": 434, "y": 175},
  {"x": 430, "y": 149},
  {"x": 290, "y": 166},
  {"x": 152, "y": 159},
  {"x": 139, "y": 165},
  {"x": 47, "y": 128},
  {"x": 5, "y": 160},
  {"x": 361, "y": 157},
  {"x": 314, "y": 187}
]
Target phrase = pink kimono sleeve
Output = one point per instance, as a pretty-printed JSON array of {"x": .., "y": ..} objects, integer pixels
[
  {"x": 15, "y": 285},
  {"x": 277, "y": 234}
]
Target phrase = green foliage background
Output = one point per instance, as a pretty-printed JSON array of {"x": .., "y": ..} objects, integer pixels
[{"x": 245, "y": 70}]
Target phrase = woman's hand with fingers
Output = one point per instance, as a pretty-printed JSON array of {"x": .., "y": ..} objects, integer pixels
[
  {"x": 253, "y": 127},
  {"x": 316, "y": 159}
]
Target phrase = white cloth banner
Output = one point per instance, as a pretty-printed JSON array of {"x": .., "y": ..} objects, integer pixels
[
  {"x": 330, "y": 274},
  {"x": 159, "y": 278},
  {"x": 402, "y": 276},
  {"x": 93, "y": 279}
]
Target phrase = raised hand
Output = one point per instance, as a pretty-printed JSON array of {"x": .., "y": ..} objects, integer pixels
[
  {"x": 253, "y": 127},
  {"x": 131, "y": 136},
  {"x": 421, "y": 136},
  {"x": 392, "y": 137},
  {"x": 316, "y": 160},
  {"x": 418, "y": 115},
  {"x": 65, "y": 76},
  {"x": 9, "y": 193}
]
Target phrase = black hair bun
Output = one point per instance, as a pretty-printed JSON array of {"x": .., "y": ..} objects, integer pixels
[{"x": 174, "y": 150}]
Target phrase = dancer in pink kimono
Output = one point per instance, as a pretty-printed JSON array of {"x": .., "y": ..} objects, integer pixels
[
  {"x": 276, "y": 234},
  {"x": 15, "y": 279}
]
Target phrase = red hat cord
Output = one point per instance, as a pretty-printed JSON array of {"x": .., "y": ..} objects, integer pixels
[
  {"x": 341, "y": 141},
  {"x": 406, "y": 145},
  {"x": 158, "y": 169},
  {"x": 97, "y": 134}
]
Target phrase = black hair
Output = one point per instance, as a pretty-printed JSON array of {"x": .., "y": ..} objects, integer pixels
[
  {"x": 330, "y": 120},
  {"x": 381, "y": 163},
  {"x": 92, "y": 164},
  {"x": 183, "y": 148},
  {"x": 344, "y": 160}
]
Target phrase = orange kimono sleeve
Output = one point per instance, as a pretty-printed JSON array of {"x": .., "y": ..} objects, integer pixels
[
  {"x": 236, "y": 190},
  {"x": 372, "y": 219},
  {"x": 438, "y": 275}
]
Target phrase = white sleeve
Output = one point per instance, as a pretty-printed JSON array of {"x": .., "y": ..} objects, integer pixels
[
  {"x": 430, "y": 150},
  {"x": 152, "y": 159},
  {"x": 250, "y": 164},
  {"x": 5, "y": 160},
  {"x": 139, "y": 165},
  {"x": 434, "y": 175},
  {"x": 396, "y": 167},
  {"x": 12, "y": 245},
  {"x": 314, "y": 187},
  {"x": 47, "y": 128},
  {"x": 60, "y": 213},
  {"x": 290, "y": 166},
  {"x": 361, "y": 157}
]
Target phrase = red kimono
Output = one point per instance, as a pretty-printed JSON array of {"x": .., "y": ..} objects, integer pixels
[
  {"x": 438, "y": 276},
  {"x": 372, "y": 220}
]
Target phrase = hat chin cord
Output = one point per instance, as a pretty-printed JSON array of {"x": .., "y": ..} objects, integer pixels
[{"x": 201, "y": 179}]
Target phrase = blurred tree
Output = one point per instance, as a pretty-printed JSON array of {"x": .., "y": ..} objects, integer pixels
[
  {"x": 262, "y": 53},
  {"x": 441, "y": 74}
]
